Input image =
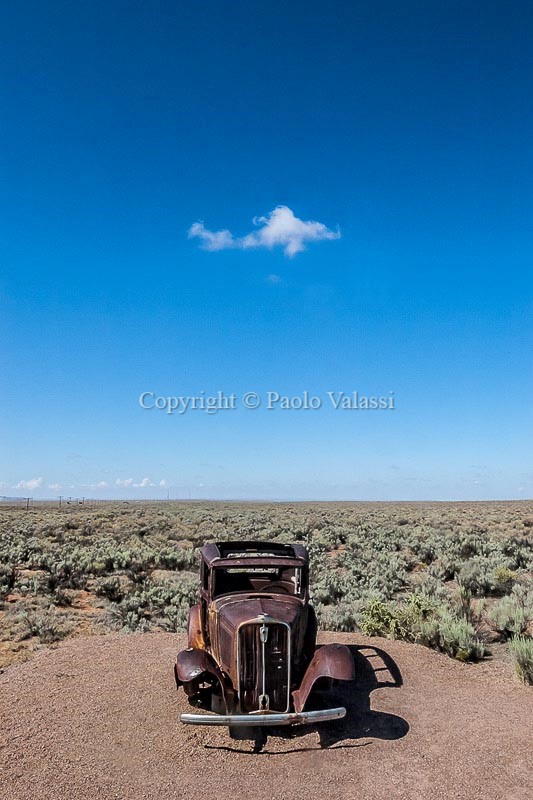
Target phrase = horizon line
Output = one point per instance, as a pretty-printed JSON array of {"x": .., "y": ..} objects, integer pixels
[{"x": 84, "y": 500}]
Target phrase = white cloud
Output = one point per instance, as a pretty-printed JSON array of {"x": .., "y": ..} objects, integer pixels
[
  {"x": 33, "y": 483},
  {"x": 129, "y": 482},
  {"x": 125, "y": 483},
  {"x": 54, "y": 486},
  {"x": 163, "y": 483},
  {"x": 102, "y": 485},
  {"x": 211, "y": 240},
  {"x": 144, "y": 483},
  {"x": 274, "y": 279},
  {"x": 280, "y": 227}
]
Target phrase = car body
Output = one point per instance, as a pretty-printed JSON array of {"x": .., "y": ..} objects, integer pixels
[{"x": 252, "y": 657}]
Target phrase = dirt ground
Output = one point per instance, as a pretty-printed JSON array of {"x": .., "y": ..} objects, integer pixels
[{"x": 98, "y": 718}]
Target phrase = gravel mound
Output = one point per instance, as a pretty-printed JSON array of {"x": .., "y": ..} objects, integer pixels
[{"x": 98, "y": 718}]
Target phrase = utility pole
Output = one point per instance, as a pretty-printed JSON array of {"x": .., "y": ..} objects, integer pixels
[{"x": 60, "y": 498}]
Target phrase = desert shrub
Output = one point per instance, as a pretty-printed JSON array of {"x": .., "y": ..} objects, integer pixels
[
  {"x": 378, "y": 618},
  {"x": 31, "y": 584},
  {"x": 475, "y": 576},
  {"x": 177, "y": 558},
  {"x": 159, "y": 595},
  {"x": 339, "y": 617},
  {"x": 149, "y": 604},
  {"x": 521, "y": 648},
  {"x": 503, "y": 579},
  {"x": 110, "y": 587},
  {"x": 421, "y": 620},
  {"x": 63, "y": 597},
  {"x": 328, "y": 588},
  {"x": 426, "y": 550},
  {"x": 373, "y": 568},
  {"x": 510, "y": 615},
  {"x": 7, "y": 579},
  {"x": 434, "y": 590},
  {"x": 46, "y": 624},
  {"x": 486, "y": 575},
  {"x": 176, "y": 615},
  {"x": 523, "y": 594},
  {"x": 450, "y": 634},
  {"x": 399, "y": 620},
  {"x": 465, "y": 599},
  {"x": 130, "y": 615},
  {"x": 519, "y": 551},
  {"x": 458, "y": 638},
  {"x": 507, "y": 617},
  {"x": 66, "y": 574}
]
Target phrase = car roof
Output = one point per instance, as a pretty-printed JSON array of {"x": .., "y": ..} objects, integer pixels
[{"x": 237, "y": 553}]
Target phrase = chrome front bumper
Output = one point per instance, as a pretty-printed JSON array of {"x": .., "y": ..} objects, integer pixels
[{"x": 260, "y": 720}]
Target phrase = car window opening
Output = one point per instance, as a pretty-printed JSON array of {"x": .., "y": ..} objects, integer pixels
[{"x": 278, "y": 580}]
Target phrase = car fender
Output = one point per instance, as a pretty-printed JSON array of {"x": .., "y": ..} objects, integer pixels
[
  {"x": 329, "y": 661},
  {"x": 195, "y": 665}
]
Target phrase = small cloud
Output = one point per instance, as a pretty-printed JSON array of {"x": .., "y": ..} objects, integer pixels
[
  {"x": 163, "y": 483},
  {"x": 33, "y": 483},
  {"x": 274, "y": 279},
  {"x": 144, "y": 483},
  {"x": 281, "y": 227},
  {"x": 129, "y": 482},
  {"x": 54, "y": 486},
  {"x": 211, "y": 240},
  {"x": 124, "y": 483},
  {"x": 102, "y": 485}
]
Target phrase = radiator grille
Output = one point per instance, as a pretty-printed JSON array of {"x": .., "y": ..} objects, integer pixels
[{"x": 276, "y": 653}]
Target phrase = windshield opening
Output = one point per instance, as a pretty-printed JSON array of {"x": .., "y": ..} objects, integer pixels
[{"x": 278, "y": 580}]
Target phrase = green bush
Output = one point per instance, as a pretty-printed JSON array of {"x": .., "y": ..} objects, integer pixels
[
  {"x": 164, "y": 604},
  {"x": 503, "y": 579},
  {"x": 521, "y": 648},
  {"x": 339, "y": 617},
  {"x": 507, "y": 617},
  {"x": 176, "y": 615},
  {"x": 7, "y": 579},
  {"x": 328, "y": 588},
  {"x": 45, "y": 624},
  {"x": 110, "y": 587},
  {"x": 457, "y": 638},
  {"x": 379, "y": 618},
  {"x": 476, "y": 576},
  {"x": 130, "y": 615},
  {"x": 401, "y": 621},
  {"x": 421, "y": 620}
]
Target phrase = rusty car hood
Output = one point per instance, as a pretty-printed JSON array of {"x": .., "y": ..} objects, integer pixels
[
  {"x": 228, "y": 612},
  {"x": 233, "y": 609}
]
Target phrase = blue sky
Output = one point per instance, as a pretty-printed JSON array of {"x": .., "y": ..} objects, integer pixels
[{"x": 405, "y": 127}]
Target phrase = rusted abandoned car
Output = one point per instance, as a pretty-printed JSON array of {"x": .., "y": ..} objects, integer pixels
[{"x": 252, "y": 657}]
